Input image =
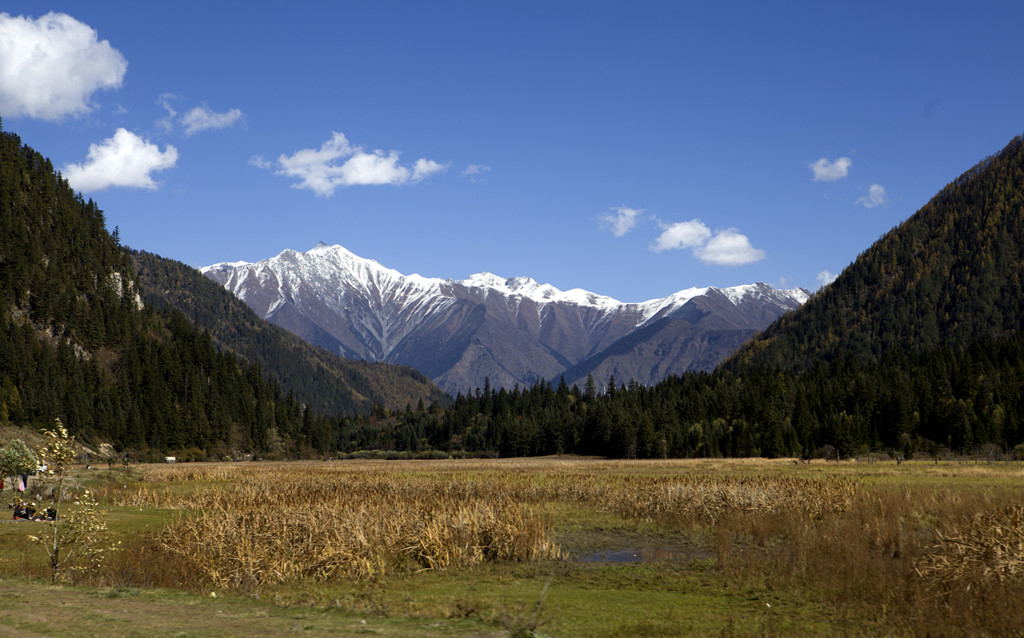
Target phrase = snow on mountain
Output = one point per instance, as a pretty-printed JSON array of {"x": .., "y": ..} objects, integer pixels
[
  {"x": 334, "y": 263},
  {"x": 528, "y": 288},
  {"x": 459, "y": 332}
]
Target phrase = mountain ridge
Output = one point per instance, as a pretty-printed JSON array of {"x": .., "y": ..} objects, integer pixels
[{"x": 485, "y": 328}]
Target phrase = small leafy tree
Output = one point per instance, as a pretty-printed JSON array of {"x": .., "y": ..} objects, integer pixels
[
  {"x": 16, "y": 459},
  {"x": 73, "y": 539}
]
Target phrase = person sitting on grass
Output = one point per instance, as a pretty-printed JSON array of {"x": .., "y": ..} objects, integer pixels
[
  {"x": 19, "y": 510},
  {"x": 49, "y": 514}
]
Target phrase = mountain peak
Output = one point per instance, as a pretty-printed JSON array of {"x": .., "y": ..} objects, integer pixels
[
  {"x": 762, "y": 291},
  {"x": 323, "y": 249}
]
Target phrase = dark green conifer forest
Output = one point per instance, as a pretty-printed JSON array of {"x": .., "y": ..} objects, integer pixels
[{"x": 915, "y": 349}]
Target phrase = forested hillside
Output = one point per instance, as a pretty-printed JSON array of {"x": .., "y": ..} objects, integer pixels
[
  {"x": 919, "y": 340},
  {"x": 949, "y": 276},
  {"x": 77, "y": 342}
]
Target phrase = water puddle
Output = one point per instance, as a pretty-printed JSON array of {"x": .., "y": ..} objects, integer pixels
[{"x": 643, "y": 555}]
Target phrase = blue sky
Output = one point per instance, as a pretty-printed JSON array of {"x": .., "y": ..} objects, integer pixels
[{"x": 631, "y": 149}]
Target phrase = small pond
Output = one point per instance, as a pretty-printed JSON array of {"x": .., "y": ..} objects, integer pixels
[{"x": 642, "y": 555}]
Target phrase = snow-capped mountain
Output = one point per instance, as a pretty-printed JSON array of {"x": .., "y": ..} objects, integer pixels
[{"x": 459, "y": 332}]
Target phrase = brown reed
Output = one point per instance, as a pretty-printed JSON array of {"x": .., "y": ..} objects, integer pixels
[
  {"x": 268, "y": 528},
  {"x": 990, "y": 546},
  {"x": 250, "y": 525}
]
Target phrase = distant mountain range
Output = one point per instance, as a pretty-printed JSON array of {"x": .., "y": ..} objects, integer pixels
[{"x": 462, "y": 333}]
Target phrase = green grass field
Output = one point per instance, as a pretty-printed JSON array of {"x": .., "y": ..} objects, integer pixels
[{"x": 464, "y": 548}]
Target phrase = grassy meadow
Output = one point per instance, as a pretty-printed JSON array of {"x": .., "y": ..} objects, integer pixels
[{"x": 546, "y": 547}]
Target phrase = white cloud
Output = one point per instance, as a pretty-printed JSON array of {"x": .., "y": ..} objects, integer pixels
[
  {"x": 338, "y": 163},
  {"x": 476, "y": 169},
  {"x": 51, "y": 66},
  {"x": 261, "y": 162},
  {"x": 689, "y": 234},
  {"x": 621, "y": 221},
  {"x": 124, "y": 160},
  {"x": 876, "y": 197},
  {"x": 826, "y": 172},
  {"x": 424, "y": 168},
  {"x": 476, "y": 172},
  {"x": 825, "y": 278},
  {"x": 165, "y": 99},
  {"x": 201, "y": 118},
  {"x": 728, "y": 248},
  {"x": 723, "y": 248}
]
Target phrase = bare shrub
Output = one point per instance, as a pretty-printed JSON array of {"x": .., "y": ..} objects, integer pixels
[{"x": 72, "y": 538}]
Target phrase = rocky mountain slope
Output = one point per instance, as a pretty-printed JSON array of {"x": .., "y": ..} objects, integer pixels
[
  {"x": 328, "y": 383},
  {"x": 461, "y": 332}
]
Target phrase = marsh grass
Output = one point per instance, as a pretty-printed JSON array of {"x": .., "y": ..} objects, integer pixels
[
  {"x": 273, "y": 523},
  {"x": 915, "y": 561},
  {"x": 915, "y": 549},
  {"x": 988, "y": 547},
  {"x": 266, "y": 528}
]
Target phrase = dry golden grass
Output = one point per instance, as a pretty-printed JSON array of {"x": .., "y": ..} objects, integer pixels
[
  {"x": 250, "y": 525},
  {"x": 990, "y": 546},
  {"x": 917, "y": 548},
  {"x": 894, "y": 556},
  {"x": 705, "y": 499},
  {"x": 322, "y": 522}
]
